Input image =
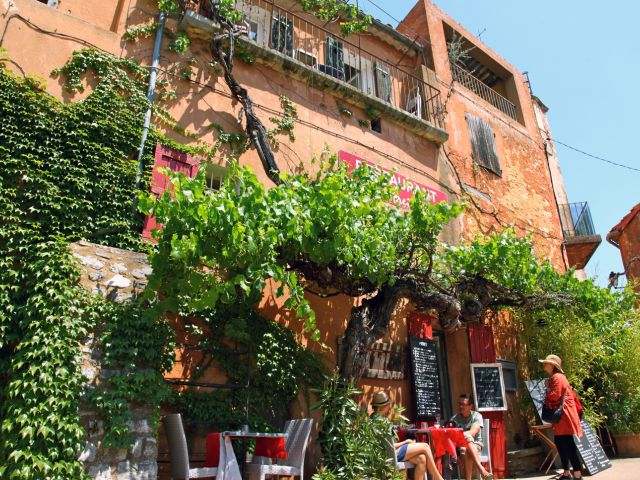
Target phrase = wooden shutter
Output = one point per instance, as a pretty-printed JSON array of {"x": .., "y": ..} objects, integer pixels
[
  {"x": 383, "y": 81},
  {"x": 176, "y": 162},
  {"x": 482, "y": 350},
  {"x": 483, "y": 144}
]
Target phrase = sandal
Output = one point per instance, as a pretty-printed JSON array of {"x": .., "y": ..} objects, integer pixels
[{"x": 488, "y": 476}]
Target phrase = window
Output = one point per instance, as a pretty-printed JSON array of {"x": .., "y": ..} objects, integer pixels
[
  {"x": 510, "y": 375},
  {"x": 177, "y": 162},
  {"x": 307, "y": 58},
  {"x": 333, "y": 58},
  {"x": 214, "y": 176},
  {"x": 483, "y": 144},
  {"x": 376, "y": 125},
  {"x": 282, "y": 34},
  {"x": 51, "y": 3}
]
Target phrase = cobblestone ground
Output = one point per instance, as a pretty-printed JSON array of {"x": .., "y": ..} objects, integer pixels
[{"x": 622, "y": 469}]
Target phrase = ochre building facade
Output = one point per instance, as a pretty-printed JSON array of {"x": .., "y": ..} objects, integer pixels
[{"x": 390, "y": 97}]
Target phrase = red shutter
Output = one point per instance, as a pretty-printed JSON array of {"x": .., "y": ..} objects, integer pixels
[
  {"x": 420, "y": 325},
  {"x": 482, "y": 350},
  {"x": 177, "y": 162}
]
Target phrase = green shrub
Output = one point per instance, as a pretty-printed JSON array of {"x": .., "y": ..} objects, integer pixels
[{"x": 352, "y": 443}]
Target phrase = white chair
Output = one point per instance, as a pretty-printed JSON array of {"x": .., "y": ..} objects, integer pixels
[
  {"x": 414, "y": 102},
  {"x": 298, "y": 432},
  {"x": 485, "y": 454},
  {"x": 179, "y": 454}
]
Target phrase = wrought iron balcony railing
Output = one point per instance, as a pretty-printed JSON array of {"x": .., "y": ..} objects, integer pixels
[
  {"x": 484, "y": 91},
  {"x": 277, "y": 29},
  {"x": 576, "y": 220}
]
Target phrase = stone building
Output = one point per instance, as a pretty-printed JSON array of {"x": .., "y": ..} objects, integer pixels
[{"x": 391, "y": 97}]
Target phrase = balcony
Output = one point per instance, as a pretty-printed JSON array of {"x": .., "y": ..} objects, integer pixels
[
  {"x": 307, "y": 51},
  {"x": 484, "y": 91},
  {"x": 580, "y": 238}
]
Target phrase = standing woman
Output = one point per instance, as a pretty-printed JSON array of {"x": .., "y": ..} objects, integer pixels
[{"x": 558, "y": 388}]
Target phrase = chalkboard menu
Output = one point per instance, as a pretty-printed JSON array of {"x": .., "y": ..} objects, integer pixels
[
  {"x": 590, "y": 451},
  {"x": 488, "y": 387},
  {"x": 537, "y": 390},
  {"x": 425, "y": 377}
]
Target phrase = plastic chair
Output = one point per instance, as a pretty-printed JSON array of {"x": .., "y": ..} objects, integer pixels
[
  {"x": 298, "y": 432},
  {"x": 485, "y": 454},
  {"x": 178, "y": 452}
]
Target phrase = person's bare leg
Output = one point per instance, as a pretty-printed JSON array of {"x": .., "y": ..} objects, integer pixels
[
  {"x": 420, "y": 463},
  {"x": 415, "y": 450},
  {"x": 475, "y": 460}
]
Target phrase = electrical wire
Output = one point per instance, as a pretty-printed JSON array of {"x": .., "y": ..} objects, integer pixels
[{"x": 594, "y": 156}]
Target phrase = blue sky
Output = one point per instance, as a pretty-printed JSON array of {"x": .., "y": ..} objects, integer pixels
[{"x": 583, "y": 63}]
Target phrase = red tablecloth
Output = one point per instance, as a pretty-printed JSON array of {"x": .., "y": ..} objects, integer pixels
[{"x": 442, "y": 440}]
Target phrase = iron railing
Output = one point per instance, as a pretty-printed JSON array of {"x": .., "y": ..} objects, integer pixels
[
  {"x": 484, "y": 91},
  {"x": 576, "y": 220},
  {"x": 280, "y": 30}
]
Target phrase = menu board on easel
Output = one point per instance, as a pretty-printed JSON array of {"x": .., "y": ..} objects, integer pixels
[
  {"x": 488, "y": 387},
  {"x": 590, "y": 451},
  {"x": 425, "y": 377}
]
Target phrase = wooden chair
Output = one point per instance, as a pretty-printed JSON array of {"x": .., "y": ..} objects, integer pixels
[{"x": 179, "y": 453}]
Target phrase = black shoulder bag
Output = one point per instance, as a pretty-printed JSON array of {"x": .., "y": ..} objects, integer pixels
[{"x": 552, "y": 415}]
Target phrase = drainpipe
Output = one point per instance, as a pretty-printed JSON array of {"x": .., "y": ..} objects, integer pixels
[{"x": 152, "y": 85}]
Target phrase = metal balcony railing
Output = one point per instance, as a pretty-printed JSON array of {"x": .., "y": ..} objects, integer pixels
[
  {"x": 576, "y": 220},
  {"x": 484, "y": 91},
  {"x": 280, "y": 30}
]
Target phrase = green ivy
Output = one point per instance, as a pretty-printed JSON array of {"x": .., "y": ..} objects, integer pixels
[
  {"x": 259, "y": 356},
  {"x": 68, "y": 172}
]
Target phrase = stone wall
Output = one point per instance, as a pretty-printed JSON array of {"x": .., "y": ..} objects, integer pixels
[{"x": 118, "y": 275}]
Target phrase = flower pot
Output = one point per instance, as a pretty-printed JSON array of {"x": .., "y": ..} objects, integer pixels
[{"x": 628, "y": 445}]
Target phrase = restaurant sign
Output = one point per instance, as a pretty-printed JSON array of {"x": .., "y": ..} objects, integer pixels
[{"x": 407, "y": 187}]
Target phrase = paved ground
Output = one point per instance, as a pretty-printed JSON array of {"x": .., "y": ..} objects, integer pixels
[{"x": 622, "y": 469}]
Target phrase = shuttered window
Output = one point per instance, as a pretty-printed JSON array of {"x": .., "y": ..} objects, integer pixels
[
  {"x": 176, "y": 162},
  {"x": 483, "y": 144},
  {"x": 282, "y": 34},
  {"x": 383, "y": 81}
]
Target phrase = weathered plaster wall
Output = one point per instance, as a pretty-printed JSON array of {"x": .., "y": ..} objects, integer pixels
[
  {"x": 119, "y": 275},
  {"x": 629, "y": 242},
  {"x": 523, "y": 196}
]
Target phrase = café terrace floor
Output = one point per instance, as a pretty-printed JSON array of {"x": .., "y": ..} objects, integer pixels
[{"x": 621, "y": 469}]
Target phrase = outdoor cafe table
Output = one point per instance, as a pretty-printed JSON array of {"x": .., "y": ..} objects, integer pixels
[{"x": 230, "y": 464}]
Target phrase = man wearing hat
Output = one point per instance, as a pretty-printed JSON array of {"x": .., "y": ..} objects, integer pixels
[
  {"x": 559, "y": 393},
  {"x": 409, "y": 450}
]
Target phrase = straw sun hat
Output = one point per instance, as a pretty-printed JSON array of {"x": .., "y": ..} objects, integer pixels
[
  {"x": 380, "y": 399},
  {"x": 554, "y": 360}
]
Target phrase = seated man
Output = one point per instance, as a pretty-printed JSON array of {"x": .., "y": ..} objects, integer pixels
[
  {"x": 471, "y": 422},
  {"x": 409, "y": 450}
]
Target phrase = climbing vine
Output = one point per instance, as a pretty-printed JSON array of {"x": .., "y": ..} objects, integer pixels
[
  {"x": 259, "y": 357},
  {"x": 67, "y": 173}
]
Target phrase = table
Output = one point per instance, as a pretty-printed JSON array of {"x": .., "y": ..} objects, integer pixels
[
  {"x": 538, "y": 432},
  {"x": 244, "y": 436}
]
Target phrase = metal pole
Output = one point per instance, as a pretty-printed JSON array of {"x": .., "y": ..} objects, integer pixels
[{"x": 150, "y": 93}]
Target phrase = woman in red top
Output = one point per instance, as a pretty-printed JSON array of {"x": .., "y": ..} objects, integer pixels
[{"x": 569, "y": 424}]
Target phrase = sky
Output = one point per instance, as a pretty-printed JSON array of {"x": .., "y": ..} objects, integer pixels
[{"x": 583, "y": 63}]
